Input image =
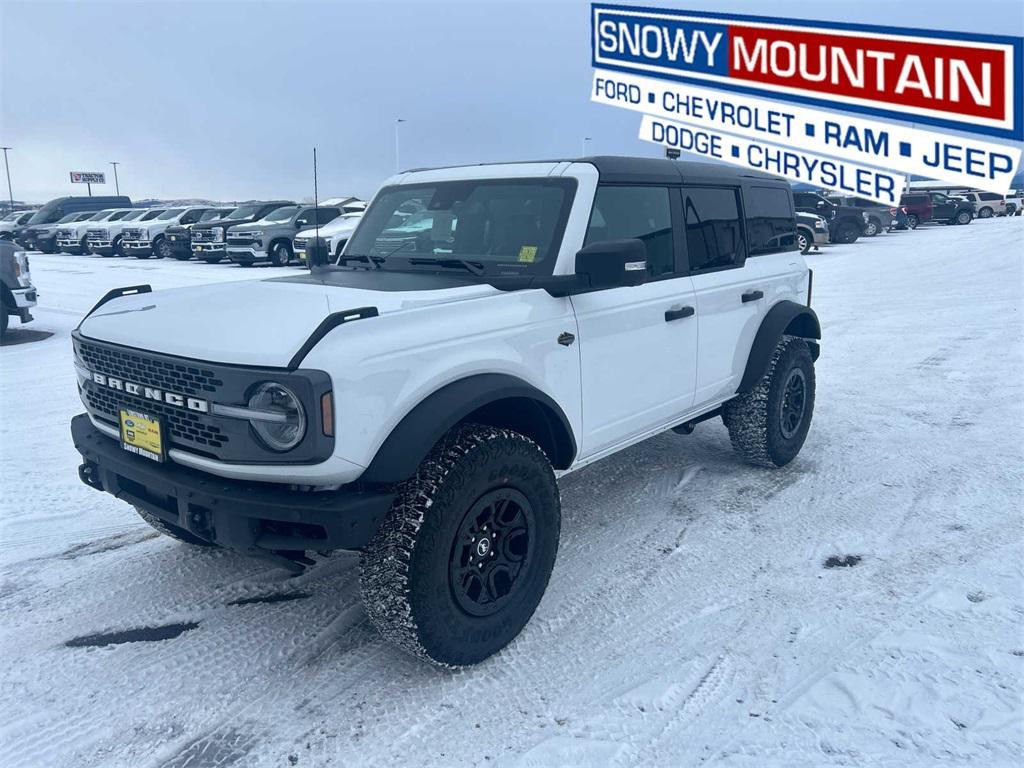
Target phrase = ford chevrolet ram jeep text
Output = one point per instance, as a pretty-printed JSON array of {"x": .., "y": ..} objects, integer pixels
[
  {"x": 209, "y": 238},
  {"x": 415, "y": 400}
]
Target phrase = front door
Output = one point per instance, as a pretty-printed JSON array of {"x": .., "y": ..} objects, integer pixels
[{"x": 638, "y": 345}]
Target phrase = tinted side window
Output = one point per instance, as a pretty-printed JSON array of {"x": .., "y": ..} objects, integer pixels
[
  {"x": 328, "y": 214},
  {"x": 990, "y": 196},
  {"x": 191, "y": 217},
  {"x": 770, "y": 224},
  {"x": 714, "y": 235},
  {"x": 636, "y": 212}
]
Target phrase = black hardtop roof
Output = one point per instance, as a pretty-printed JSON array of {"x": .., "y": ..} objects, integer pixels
[{"x": 623, "y": 169}]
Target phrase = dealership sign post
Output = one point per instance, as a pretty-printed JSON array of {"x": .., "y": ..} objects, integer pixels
[
  {"x": 748, "y": 91},
  {"x": 88, "y": 178}
]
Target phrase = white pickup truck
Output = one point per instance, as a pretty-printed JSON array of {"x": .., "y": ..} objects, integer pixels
[
  {"x": 416, "y": 400},
  {"x": 148, "y": 237}
]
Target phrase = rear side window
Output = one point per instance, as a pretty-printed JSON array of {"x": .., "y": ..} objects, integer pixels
[
  {"x": 643, "y": 213},
  {"x": 714, "y": 236},
  {"x": 990, "y": 196},
  {"x": 770, "y": 224}
]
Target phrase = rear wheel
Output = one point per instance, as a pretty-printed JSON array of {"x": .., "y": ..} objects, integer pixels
[
  {"x": 460, "y": 562},
  {"x": 172, "y": 530},
  {"x": 804, "y": 240},
  {"x": 768, "y": 424},
  {"x": 985, "y": 213}
]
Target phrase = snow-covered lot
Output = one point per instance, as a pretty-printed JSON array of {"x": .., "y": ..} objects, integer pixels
[{"x": 690, "y": 619}]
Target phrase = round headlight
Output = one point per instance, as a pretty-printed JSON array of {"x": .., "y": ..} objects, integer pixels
[{"x": 284, "y": 421}]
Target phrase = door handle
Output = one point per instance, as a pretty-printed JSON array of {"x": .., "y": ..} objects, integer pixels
[
  {"x": 752, "y": 296},
  {"x": 678, "y": 314}
]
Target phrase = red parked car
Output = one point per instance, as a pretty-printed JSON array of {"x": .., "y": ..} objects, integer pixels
[{"x": 935, "y": 206}]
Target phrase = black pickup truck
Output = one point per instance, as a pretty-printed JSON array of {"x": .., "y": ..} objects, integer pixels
[
  {"x": 209, "y": 238},
  {"x": 179, "y": 236},
  {"x": 845, "y": 223}
]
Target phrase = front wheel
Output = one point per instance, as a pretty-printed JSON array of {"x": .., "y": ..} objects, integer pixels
[
  {"x": 847, "y": 234},
  {"x": 460, "y": 562},
  {"x": 116, "y": 247},
  {"x": 964, "y": 217},
  {"x": 913, "y": 220},
  {"x": 5, "y": 321},
  {"x": 162, "y": 248},
  {"x": 280, "y": 254},
  {"x": 768, "y": 424},
  {"x": 873, "y": 227}
]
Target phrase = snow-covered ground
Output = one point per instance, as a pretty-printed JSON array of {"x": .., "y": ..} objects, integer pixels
[{"x": 690, "y": 619}]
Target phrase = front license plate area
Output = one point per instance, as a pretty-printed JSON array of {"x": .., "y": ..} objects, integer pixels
[{"x": 142, "y": 435}]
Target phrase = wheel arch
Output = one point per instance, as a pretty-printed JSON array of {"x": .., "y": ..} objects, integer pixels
[
  {"x": 786, "y": 318},
  {"x": 494, "y": 399}
]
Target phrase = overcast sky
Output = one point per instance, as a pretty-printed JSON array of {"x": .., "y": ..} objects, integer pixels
[{"x": 226, "y": 100}]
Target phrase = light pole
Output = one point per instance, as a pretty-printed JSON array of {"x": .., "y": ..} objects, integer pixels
[
  {"x": 117, "y": 186},
  {"x": 398, "y": 122},
  {"x": 585, "y": 140},
  {"x": 7, "y": 168}
]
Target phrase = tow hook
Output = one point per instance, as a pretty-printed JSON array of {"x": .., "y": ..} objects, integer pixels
[{"x": 87, "y": 474}]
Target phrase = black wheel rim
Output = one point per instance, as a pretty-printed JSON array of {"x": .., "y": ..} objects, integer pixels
[
  {"x": 492, "y": 552},
  {"x": 794, "y": 402}
]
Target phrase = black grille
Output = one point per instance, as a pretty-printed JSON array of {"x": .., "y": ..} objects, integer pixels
[
  {"x": 202, "y": 235},
  {"x": 181, "y": 379},
  {"x": 183, "y": 426}
]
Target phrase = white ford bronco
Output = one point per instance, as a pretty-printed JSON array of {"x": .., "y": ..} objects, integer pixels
[{"x": 414, "y": 398}]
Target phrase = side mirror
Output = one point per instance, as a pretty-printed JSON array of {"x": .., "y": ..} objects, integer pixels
[
  {"x": 612, "y": 264},
  {"x": 317, "y": 253},
  {"x": 821, "y": 203}
]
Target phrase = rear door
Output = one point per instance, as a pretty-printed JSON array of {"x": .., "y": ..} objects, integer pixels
[
  {"x": 730, "y": 289},
  {"x": 638, "y": 345}
]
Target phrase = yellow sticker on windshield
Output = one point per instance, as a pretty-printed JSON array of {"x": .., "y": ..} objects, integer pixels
[{"x": 528, "y": 254}]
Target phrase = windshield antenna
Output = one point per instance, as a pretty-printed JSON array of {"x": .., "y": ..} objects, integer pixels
[{"x": 316, "y": 203}]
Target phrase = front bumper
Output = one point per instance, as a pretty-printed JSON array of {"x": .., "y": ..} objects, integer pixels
[
  {"x": 209, "y": 250},
  {"x": 137, "y": 246},
  {"x": 245, "y": 254},
  {"x": 102, "y": 247},
  {"x": 821, "y": 237},
  {"x": 254, "y": 518},
  {"x": 69, "y": 246}
]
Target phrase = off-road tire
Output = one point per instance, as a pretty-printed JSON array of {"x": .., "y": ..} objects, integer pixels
[
  {"x": 406, "y": 581},
  {"x": 172, "y": 530},
  {"x": 754, "y": 419}
]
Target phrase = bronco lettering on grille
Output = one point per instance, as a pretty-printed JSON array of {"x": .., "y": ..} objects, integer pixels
[{"x": 151, "y": 393}]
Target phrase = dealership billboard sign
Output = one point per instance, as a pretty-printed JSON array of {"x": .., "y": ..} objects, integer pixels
[
  {"x": 87, "y": 177},
  {"x": 728, "y": 87}
]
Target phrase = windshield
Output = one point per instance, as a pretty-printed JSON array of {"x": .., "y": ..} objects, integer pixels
[
  {"x": 501, "y": 227},
  {"x": 216, "y": 214},
  {"x": 282, "y": 214},
  {"x": 244, "y": 211},
  {"x": 45, "y": 215},
  {"x": 150, "y": 215},
  {"x": 126, "y": 215},
  {"x": 98, "y": 216},
  {"x": 170, "y": 214},
  {"x": 71, "y": 217}
]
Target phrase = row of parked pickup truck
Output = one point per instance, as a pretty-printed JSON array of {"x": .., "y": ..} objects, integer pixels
[{"x": 251, "y": 233}]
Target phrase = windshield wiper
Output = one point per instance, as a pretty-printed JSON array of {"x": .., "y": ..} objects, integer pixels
[
  {"x": 473, "y": 267},
  {"x": 377, "y": 262}
]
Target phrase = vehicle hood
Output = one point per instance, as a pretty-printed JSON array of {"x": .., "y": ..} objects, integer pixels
[
  {"x": 221, "y": 223},
  {"x": 229, "y": 322},
  {"x": 253, "y": 226}
]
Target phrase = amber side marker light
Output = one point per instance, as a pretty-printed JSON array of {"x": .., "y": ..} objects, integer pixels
[{"x": 327, "y": 413}]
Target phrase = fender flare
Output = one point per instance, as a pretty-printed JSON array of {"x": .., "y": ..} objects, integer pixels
[
  {"x": 411, "y": 440},
  {"x": 785, "y": 318}
]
